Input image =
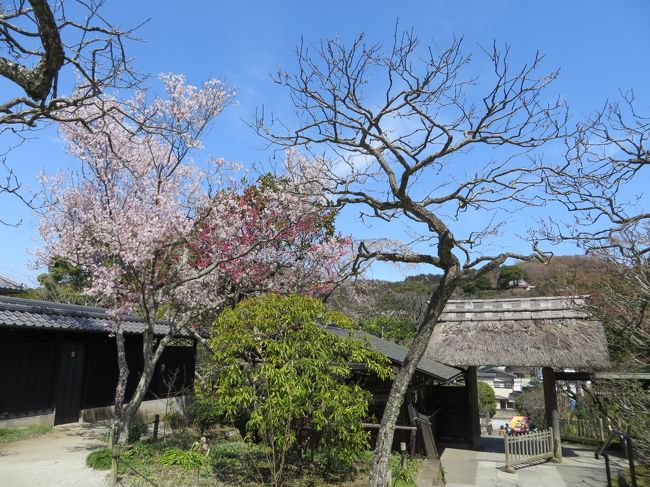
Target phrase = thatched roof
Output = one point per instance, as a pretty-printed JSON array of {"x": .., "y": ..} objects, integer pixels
[{"x": 529, "y": 332}]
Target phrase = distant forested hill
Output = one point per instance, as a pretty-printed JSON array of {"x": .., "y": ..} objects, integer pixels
[{"x": 393, "y": 309}]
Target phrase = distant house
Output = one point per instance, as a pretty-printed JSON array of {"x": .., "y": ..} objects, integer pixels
[
  {"x": 520, "y": 284},
  {"x": 59, "y": 363},
  {"x": 507, "y": 383}
]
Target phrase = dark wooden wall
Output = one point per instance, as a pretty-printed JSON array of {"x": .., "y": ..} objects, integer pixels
[
  {"x": 29, "y": 362},
  {"x": 27, "y": 373},
  {"x": 452, "y": 422}
]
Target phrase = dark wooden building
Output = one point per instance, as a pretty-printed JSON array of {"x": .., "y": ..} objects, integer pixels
[
  {"x": 438, "y": 391},
  {"x": 58, "y": 363}
]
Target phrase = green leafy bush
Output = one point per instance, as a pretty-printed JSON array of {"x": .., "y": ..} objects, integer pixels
[
  {"x": 176, "y": 420},
  {"x": 487, "y": 401},
  {"x": 404, "y": 476},
  {"x": 187, "y": 459},
  {"x": 100, "y": 459},
  {"x": 137, "y": 428},
  {"x": 204, "y": 414},
  {"x": 277, "y": 366}
]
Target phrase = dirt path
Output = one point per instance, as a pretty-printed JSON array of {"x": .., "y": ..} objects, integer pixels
[{"x": 56, "y": 459}]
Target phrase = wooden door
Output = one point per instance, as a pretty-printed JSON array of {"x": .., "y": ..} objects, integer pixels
[{"x": 69, "y": 381}]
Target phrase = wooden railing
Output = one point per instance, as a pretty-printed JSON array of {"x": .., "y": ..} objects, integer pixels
[
  {"x": 585, "y": 430},
  {"x": 528, "y": 448},
  {"x": 626, "y": 441}
]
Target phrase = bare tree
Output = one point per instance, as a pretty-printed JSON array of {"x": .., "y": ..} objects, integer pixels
[
  {"x": 621, "y": 300},
  {"x": 41, "y": 42},
  {"x": 400, "y": 133},
  {"x": 604, "y": 156},
  {"x": 54, "y": 56}
]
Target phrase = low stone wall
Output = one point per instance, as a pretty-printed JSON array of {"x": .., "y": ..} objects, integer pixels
[
  {"x": 430, "y": 474},
  {"x": 46, "y": 419},
  {"x": 148, "y": 409}
]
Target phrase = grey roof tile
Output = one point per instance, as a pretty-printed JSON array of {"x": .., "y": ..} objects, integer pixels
[
  {"x": 27, "y": 313},
  {"x": 7, "y": 286},
  {"x": 397, "y": 353}
]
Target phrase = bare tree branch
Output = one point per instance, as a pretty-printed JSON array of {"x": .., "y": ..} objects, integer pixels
[
  {"x": 605, "y": 155},
  {"x": 394, "y": 129}
]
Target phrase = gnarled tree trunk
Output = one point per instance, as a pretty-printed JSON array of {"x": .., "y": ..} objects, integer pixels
[{"x": 379, "y": 471}]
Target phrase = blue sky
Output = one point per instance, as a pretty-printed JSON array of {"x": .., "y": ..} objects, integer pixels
[{"x": 599, "y": 46}]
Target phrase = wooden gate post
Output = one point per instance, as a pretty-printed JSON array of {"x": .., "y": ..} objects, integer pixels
[
  {"x": 509, "y": 468},
  {"x": 552, "y": 413},
  {"x": 114, "y": 462},
  {"x": 471, "y": 382}
]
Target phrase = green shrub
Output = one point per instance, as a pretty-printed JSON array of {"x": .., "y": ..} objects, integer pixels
[
  {"x": 293, "y": 386},
  {"x": 487, "y": 401},
  {"x": 186, "y": 459},
  {"x": 404, "y": 477},
  {"x": 338, "y": 464},
  {"x": 176, "y": 420},
  {"x": 205, "y": 414},
  {"x": 100, "y": 459},
  {"x": 137, "y": 428}
]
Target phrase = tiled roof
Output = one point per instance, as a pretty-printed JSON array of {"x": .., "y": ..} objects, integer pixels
[
  {"x": 397, "y": 353},
  {"x": 7, "y": 286},
  {"x": 27, "y": 313}
]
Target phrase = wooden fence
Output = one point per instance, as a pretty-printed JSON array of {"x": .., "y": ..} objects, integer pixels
[
  {"x": 584, "y": 430},
  {"x": 527, "y": 448}
]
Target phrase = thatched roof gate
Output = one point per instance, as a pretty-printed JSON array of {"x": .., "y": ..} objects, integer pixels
[
  {"x": 549, "y": 332},
  {"x": 529, "y": 332}
]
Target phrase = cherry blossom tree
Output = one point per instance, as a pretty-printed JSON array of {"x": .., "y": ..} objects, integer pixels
[
  {"x": 167, "y": 238},
  {"x": 407, "y": 136}
]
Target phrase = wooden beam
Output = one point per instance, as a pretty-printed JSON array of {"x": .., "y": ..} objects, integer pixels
[
  {"x": 601, "y": 375},
  {"x": 551, "y": 410},
  {"x": 471, "y": 383},
  {"x": 573, "y": 375},
  {"x": 621, "y": 375}
]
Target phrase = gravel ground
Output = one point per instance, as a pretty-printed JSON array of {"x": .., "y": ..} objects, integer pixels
[{"x": 54, "y": 459}]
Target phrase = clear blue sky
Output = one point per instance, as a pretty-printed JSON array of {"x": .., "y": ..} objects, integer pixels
[{"x": 599, "y": 46}]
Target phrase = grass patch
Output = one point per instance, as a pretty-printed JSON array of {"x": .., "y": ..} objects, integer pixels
[
  {"x": 642, "y": 476},
  {"x": 183, "y": 458},
  {"x": 100, "y": 459},
  {"x": 14, "y": 434},
  {"x": 404, "y": 477},
  {"x": 234, "y": 463}
]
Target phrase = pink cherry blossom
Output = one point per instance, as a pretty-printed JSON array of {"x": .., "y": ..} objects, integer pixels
[{"x": 166, "y": 237}]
